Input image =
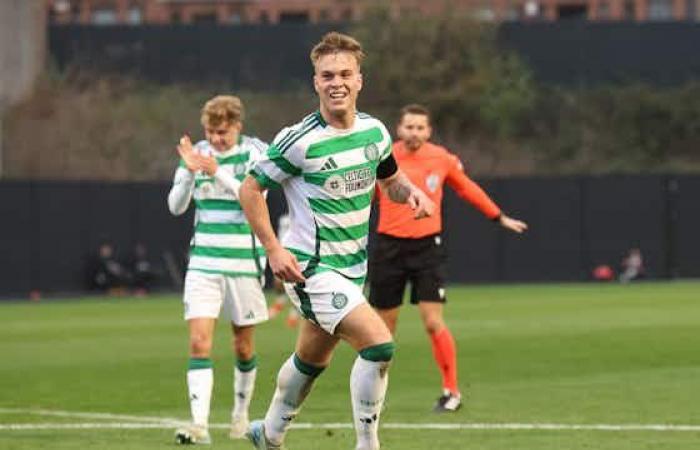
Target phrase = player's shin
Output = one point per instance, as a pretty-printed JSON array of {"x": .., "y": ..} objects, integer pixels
[
  {"x": 368, "y": 383},
  {"x": 294, "y": 381}
]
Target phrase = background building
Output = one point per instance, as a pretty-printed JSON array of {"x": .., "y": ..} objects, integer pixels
[{"x": 110, "y": 12}]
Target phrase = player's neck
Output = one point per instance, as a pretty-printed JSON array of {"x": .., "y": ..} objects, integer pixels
[{"x": 343, "y": 122}]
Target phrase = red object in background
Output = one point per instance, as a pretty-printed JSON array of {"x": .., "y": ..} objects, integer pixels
[{"x": 603, "y": 272}]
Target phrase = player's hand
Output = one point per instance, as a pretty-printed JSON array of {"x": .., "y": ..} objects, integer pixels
[
  {"x": 421, "y": 205},
  {"x": 188, "y": 155},
  {"x": 207, "y": 164},
  {"x": 284, "y": 265},
  {"x": 515, "y": 225}
]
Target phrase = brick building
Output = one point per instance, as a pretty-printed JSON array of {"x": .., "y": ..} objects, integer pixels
[{"x": 135, "y": 12}]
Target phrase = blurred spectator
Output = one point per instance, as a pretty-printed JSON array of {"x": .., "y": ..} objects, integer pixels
[
  {"x": 107, "y": 274},
  {"x": 142, "y": 273},
  {"x": 632, "y": 266}
]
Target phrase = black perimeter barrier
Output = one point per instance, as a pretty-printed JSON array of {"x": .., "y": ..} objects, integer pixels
[
  {"x": 51, "y": 230},
  {"x": 276, "y": 57}
]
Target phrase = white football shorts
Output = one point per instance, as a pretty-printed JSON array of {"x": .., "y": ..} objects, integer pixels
[
  {"x": 242, "y": 298},
  {"x": 325, "y": 298}
]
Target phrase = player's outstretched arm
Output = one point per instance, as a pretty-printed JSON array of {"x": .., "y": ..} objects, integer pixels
[
  {"x": 282, "y": 263},
  {"x": 400, "y": 190},
  {"x": 514, "y": 225}
]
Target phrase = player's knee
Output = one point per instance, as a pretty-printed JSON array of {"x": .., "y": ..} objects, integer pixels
[
  {"x": 433, "y": 325},
  {"x": 200, "y": 345},
  {"x": 243, "y": 348},
  {"x": 378, "y": 353}
]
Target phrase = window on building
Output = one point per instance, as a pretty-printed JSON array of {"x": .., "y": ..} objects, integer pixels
[
  {"x": 134, "y": 16},
  {"x": 235, "y": 19},
  {"x": 513, "y": 11},
  {"x": 485, "y": 14},
  {"x": 572, "y": 12},
  {"x": 660, "y": 10},
  {"x": 531, "y": 10},
  {"x": 104, "y": 17},
  {"x": 294, "y": 17},
  {"x": 603, "y": 12},
  {"x": 264, "y": 17},
  {"x": 629, "y": 10}
]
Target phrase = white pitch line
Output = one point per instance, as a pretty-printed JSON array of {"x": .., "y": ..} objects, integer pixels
[
  {"x": 89, "y": 415},
  {"x": 412, "y": 426}
]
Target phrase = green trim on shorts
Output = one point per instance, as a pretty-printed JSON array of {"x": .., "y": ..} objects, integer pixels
[
  {"x": 247, "y": 366},
  {"x": 307, "y": 369},
  {"x": 306, "y": 309},
  {"x": 199, "y": 363},
  {"x": 377, "y": 353}
]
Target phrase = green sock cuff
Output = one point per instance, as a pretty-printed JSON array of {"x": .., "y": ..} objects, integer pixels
[
  {"x": 381, "y": 352},
  {"x": 247, "y": 365},
  {"x": 200, "y": 363},
  {"x": 307, "y": 369}
]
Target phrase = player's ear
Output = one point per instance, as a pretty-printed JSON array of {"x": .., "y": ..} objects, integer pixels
[{"x": 359, "y": 80}]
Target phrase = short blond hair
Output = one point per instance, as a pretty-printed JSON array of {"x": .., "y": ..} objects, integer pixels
[
  {"x": 222, "y": 109},
  {"x": 335, "y": 42}
]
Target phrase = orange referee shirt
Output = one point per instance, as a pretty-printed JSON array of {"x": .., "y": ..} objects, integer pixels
[{"x": 429, "y": 168}]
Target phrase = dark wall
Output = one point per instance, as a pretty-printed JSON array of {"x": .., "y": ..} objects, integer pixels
[
  {"x": 51, "y": 230},
  {"x": 581, "y": 53},
  {"x": 276, "y": 57},
  {"x": 245, "y": 56}
]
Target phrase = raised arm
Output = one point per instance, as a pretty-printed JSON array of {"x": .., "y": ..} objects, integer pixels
[
  {"x": 282, "y": 263},
  {"x": 183, "y": 184}
]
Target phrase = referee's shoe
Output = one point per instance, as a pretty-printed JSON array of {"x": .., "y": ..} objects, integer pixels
[{"x": 448, "y": 402}]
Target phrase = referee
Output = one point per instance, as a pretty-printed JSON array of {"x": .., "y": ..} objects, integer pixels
[{"x": 409, "y": 250}]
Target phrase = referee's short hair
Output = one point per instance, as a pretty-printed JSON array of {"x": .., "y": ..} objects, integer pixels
[{"x": 415, "y": 108}]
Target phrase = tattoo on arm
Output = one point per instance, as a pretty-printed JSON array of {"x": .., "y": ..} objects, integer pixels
[{"x": 399, "y": 190}]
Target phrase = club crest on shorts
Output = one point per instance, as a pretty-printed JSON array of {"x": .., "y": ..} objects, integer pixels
[
  {"x": 372, "y": 152},
  {"x": 339, "y": 300}
]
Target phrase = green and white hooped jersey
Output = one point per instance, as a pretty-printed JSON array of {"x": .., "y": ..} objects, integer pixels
[
  {"x": 223, "y": 242},
  {"x": 328, "y": 177}
]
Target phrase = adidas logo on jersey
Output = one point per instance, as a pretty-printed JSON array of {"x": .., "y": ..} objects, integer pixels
[{"x": 330, "y": 164}]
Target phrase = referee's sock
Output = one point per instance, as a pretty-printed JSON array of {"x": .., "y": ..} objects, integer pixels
[{"x": 445, "y": 353}]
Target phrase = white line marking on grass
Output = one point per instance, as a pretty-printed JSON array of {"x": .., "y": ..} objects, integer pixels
[
  {"x": 403, "y": 426},
  {"x": 89, "y": 415}
]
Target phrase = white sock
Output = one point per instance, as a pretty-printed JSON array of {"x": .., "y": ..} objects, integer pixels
[
  {"x": 243, "y": 385},
  {"x": 368, "y": 384},
  {"x": 199, "y": 384},
  {"x": 294, "y": 382}
]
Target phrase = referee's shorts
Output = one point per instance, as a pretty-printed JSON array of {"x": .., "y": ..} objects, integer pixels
[{"x": 395, "y": 261}]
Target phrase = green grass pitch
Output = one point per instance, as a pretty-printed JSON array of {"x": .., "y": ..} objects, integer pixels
[{"x": 593, "y": 354}]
